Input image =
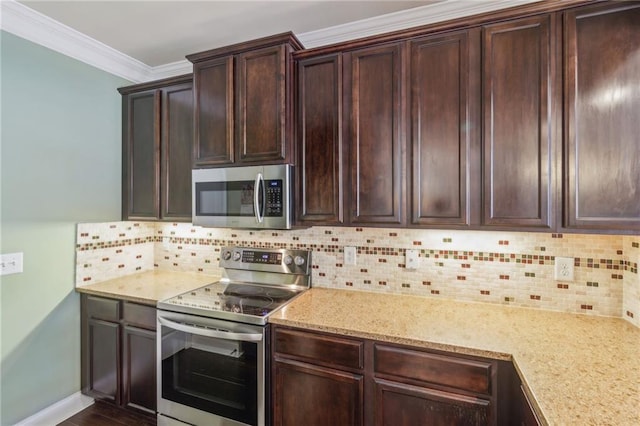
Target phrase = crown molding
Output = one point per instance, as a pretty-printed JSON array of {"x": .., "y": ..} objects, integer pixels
[
  {"x": 31, "y": 25},
  {"x": 419, "y": 16}
]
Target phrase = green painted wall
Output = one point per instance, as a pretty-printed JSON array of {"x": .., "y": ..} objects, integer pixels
[{"x": 60, "y": 164}]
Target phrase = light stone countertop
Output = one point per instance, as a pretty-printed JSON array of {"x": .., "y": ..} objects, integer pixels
[
  {"x": 149, "y": 287},
  {"x": 580, "y": 370}
]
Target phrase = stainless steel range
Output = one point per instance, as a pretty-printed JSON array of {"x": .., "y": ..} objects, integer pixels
[{"x": 213, "y": 363}]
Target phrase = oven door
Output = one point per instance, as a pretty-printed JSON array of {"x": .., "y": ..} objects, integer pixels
[{"x": 211, "y": 372}]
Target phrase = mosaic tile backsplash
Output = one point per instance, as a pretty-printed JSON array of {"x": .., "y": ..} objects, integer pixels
[{"x": 510, "y": 268}]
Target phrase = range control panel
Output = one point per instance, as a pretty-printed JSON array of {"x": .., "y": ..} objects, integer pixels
[{"x": 266, "y": 259}]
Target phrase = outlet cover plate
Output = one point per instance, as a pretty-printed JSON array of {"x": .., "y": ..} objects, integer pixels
[
  {"x": 411, "y": 259},
  {"x": 563, "y": 270}
]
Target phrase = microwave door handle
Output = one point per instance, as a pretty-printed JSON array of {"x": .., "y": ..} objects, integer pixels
[
  {"x": 257, "y": 205},
  {"x": 207, "y": 332}
]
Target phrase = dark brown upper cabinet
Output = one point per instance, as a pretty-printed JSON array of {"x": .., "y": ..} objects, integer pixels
[
  {"x": 320, "y": 156},
  {"x": 602, "y": 117},
  {"x": 374, "y": 95},
  {"x": 243, "y": 105},
  {"x": 519, "y": 123},
  {"x": 477, "y": 106},
  {"x": 444, "y": 104},
  {"x": 156, "y": 150}
]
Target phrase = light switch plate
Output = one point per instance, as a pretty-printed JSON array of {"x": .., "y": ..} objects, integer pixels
[{"x": 11, "y": 263}]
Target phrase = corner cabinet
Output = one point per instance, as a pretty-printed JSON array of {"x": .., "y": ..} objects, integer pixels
[
  {"x": 157, "y": 122},
  {"x": 118, "y": 343},
  {"x": 243, "y": 103},
  {"x": 321, "y": 378},
  {"x": 602, "y": 111}
]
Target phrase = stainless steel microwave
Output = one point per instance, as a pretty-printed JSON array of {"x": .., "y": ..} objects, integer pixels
[{"x": 243, "y": 197}]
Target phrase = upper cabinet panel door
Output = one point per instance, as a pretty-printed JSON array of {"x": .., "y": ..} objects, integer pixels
[
  {"x": 602, "y": 117},
  {"x": 177, "y": 141},
  {"x": 518, "y": 123},
  {"x": 444, "y": 105},
  {"x": 214, "y": 107},
  {"x": 262, "y": 108},
  {"x": 319, "y": 134},
  {"x": 376, "y": 135},
  {"x": 141, "y": 155}
]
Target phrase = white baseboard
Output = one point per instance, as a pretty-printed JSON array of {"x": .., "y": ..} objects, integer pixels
[{"x": 59, "y": 411}]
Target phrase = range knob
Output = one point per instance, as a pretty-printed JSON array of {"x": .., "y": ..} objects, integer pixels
[
  {"x": 299, "y": 260},
  {"x": 226, "y": 255},
  {"x": 288, "y": 260},
  {"x": 236, "y": 255}
]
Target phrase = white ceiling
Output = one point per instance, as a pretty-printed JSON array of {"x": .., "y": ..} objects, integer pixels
[
  {"x": 161, "y": 32},
  {"x": 142, "y": 40}
]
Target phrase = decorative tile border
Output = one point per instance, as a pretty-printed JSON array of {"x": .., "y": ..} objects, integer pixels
[{"x": 494, "y": 267}]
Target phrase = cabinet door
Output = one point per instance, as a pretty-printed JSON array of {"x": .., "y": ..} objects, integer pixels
[
  {"x": 214, "y": 112},
  {"x": 139, "y": 368},
  {"x": 602, "y": 111},
  {"x": 376, "y": 135},
  {"x": 177, "y": 142},
  {"x": 519, "y": 123},
  {"x": 103, "y": 358},
  {"x": 444, "y": 73},
  {"x": 320, "y": 153},
  {"x": 261, "y": 95},
  {"x": 398, "y": 404},
  {"x": 316, "y": 396},
  {"x": 141, "y": 155}
]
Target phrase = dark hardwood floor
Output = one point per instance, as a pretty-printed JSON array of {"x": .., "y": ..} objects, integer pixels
[{"x": 104, "y": 414}]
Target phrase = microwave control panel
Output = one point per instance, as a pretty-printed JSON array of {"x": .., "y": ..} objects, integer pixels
[{"x": 273, "y": 207}]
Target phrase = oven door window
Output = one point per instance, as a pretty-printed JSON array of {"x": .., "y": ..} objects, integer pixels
[
  {"x": 233, "y": 198},
  {"x": 213, "y": 375}
]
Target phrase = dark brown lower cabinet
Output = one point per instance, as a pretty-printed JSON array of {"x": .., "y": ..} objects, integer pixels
[
  {"x": 312, "y": 395},
  {"x": 328, "y": 379},
  {"x": 118, "y": 343},
  {"x": 103, "y": 347},
  {"x": 398, "y": 404},
  {"x": 139, "y": 368}
]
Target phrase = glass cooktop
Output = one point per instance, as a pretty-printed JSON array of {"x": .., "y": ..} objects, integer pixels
[{"x": 241, "y": 302}]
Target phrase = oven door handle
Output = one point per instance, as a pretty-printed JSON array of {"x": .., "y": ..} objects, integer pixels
[{"x": 242, "y": 337}]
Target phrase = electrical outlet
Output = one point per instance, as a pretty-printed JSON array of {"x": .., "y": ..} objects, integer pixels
[
  {"x": 11, "y": 263},
  {"x": 411, "y": 259},
  {"x": 563, "y": 269},
  {"x": 349, "y": 255}
]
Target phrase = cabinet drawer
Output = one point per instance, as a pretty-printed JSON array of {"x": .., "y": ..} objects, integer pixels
[
  {"x": 319, "y": 349},
  {"x": 139, "y": 315},
  {"x": 104, "y": 309},
  {"x": 460, "y": 373}
]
